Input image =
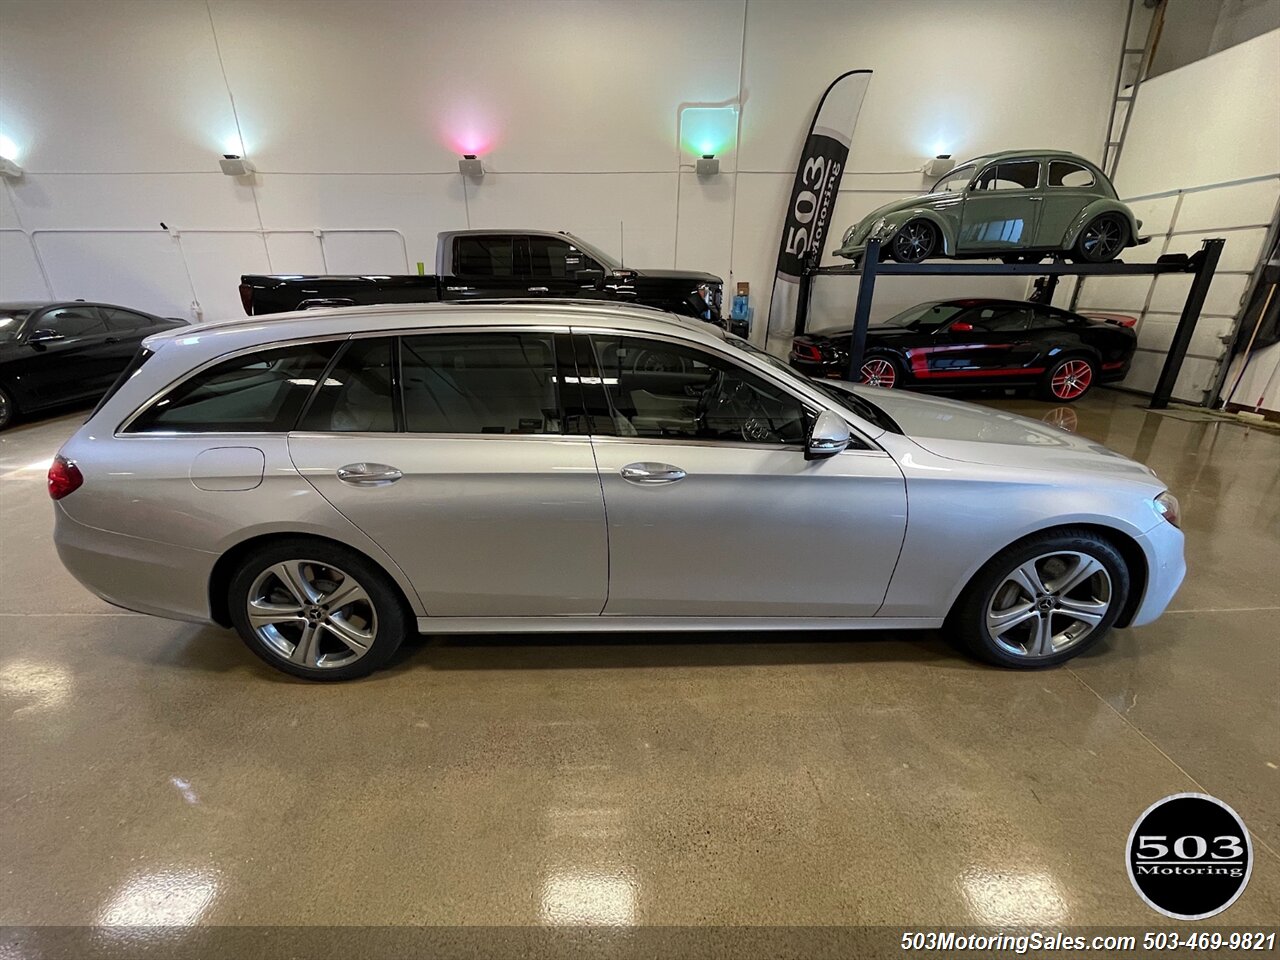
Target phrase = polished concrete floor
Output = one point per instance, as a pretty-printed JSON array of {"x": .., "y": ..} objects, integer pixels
[{"x": 157, "y": 773}]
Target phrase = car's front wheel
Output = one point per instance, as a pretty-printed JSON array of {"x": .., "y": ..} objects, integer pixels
[
  {"x": 880, "y": 372},
  {"x": 317, "y": 610},
  {"x": 7, "y": 409},
  {"x": 1042, "y": 600},
  {"x": 1102, "y": 239},
  {"x": 917, "y": 240}
]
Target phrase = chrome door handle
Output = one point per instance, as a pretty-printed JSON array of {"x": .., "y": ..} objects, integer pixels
[
  {"x": 539, "y": 290},
  {"x": 651, "y": 473},
  {"x": 368, "y": 474},
  {"x": 1035, "y": 199}
]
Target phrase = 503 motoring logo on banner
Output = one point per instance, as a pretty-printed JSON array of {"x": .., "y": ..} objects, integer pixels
[{"x": 811, "y": 198}]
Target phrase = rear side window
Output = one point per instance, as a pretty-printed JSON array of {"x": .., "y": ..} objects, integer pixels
[
  {"x": 254, "y": 393},
  {"x": 500, "y": 383},
  {"x": 1064, "y": 174},
  {"x": 357, "y": 393},
  {"x": 484, "y": 257},
  {"x": 124, "y": 321}
]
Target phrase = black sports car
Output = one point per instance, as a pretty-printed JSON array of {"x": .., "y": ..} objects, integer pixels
[
  {"x": 52, "y": 353},
  {"x": 947, "y": 344}
]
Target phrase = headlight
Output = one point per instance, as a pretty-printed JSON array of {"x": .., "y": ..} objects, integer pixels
[
  {"x": 1167, "y": 506},
  {"x": 881, "y": 229},
  {"x": 847, "y": 234}
]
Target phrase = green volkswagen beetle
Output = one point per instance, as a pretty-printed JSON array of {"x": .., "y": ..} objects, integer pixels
[{"x": 1018, "y": 205}]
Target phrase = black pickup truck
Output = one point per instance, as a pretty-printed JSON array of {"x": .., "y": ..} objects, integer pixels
[{"x": 498, "y": 265}]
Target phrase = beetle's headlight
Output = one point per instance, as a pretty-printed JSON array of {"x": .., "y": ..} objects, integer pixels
[
  {"x": 1167, "y": 506},
  {"x": 847, "y": 234},
  {"x": 880, "y": 229}
]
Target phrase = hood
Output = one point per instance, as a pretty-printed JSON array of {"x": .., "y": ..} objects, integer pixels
[
  {"x": 977, "y": 434},
  {"x": 693, "y": 276}
]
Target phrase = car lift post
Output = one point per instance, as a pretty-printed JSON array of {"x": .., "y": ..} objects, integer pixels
[
  {"x": 862, "y": 311},
  {"x": 1205, "y": 261}
]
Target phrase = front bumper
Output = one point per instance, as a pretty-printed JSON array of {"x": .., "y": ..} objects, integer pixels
[
  {"x": 1164, "y": 547},
  {"x": 145, "y": 576}
]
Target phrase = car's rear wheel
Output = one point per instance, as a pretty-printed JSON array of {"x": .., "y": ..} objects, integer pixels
[
  {"x": 915, "y": 241},
  {"x": 1042, "y": 600},
  {"x": 880, "y": 372},
  {"x": 317, "y": 610},
  {"x": 7, "y": 409},
  {"x": 1102, "y": 239},
  {"x": 1068, "y": 380}
]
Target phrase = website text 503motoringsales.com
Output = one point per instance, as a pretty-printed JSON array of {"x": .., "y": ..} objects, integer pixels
[{"x": 1025, "y": 942}]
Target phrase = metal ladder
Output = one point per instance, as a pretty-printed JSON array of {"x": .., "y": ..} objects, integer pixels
[{"x": 1115, "y": 140}]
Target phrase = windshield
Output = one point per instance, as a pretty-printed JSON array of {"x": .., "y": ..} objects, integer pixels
[
  {"x": 925, "y": 316},
  {"x": 11, "y": 323},
  {"x": 606, "y": 261},
  {"x": 956, "y": 180},
  {"x": 866, "y": 409}
]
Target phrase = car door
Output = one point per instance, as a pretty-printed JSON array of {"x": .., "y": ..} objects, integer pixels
[
  {"x": 67, "y": 357},
  {"x": 985, "y": 342},
  {"x": 712, "y": 508},
  {"x": 1001, "y": 208},
  {"x": 1069, "y": 188},
  {"x": 458, "y": 459},
  {"x": 486, "y": 267},
  {"x": 126, "y": 329},
  {"x": 552, "y": 266}
]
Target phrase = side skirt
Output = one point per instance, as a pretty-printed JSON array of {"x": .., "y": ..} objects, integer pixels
[{"x": 606, "y": 624}]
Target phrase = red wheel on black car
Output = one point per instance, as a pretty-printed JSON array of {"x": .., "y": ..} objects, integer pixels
[
  {"x": 1068, "y": 380},
  {"x": 879, "y": 372}
]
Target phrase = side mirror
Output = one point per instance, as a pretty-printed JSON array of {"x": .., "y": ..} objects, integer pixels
[
  {"x": 45, "y": 336},
  {"x": 829, "y": 436},
  {"x": 961, "y": 328},
  {"x": 590, "y": 277}
]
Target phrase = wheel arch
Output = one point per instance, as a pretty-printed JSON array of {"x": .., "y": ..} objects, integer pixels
[
  {"x": 224, "y": 569},
  {"x": 1127, "y": 546},
  {"x": 1096, "y": 208},
  {"x": 946, "y": 230}
]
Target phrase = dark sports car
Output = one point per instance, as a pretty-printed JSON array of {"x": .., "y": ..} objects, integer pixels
[
  {"x": 947, "y": 344},
  {"x": 54, "y": 353}
]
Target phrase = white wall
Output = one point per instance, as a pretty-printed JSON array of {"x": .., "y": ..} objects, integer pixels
[
  {"x": 355, "y": 112},
  {"x": 1202, "y": 159}
]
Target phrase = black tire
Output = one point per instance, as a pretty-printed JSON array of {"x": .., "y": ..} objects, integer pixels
[
  {"x": 882, "y": 370},
  {"x": 382, "y": 613},
  {"x": 1068, "y": 379},
  {"x": 968, "y": 620},
  {"x": 915, "y": 241},
  {"x": 1102, "y": 239},
  {"x": 8, "y": 410}
]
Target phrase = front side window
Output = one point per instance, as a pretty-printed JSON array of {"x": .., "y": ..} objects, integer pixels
[
  {"x": 998, "y": 319},
  {"x": 356, "y": 395},
  {"x": 1016, "y": 175},
  {"x": 656, "y": 389},
  {"x": 560, "y": 259},
  {"x": 470, "y": 383},
  {"x": 1065, "y": 174},
  {"x": 925, "y": 316},
  {"x": 955, "y": 181},
  {"x": 480, "y": 256},
  {"x": 259, "y": 392}
]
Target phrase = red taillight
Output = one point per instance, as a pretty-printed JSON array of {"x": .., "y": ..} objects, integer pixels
[
  {"x": 806, "y": 351},
  {"x": 64, "y": 477},
  {"x": 246, "y": 299}
]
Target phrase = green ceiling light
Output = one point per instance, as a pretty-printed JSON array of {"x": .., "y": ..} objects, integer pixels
[{"x": 708, "y": 131}]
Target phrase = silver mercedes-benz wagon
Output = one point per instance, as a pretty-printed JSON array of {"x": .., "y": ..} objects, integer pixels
[{"x": 327, "y": 482}]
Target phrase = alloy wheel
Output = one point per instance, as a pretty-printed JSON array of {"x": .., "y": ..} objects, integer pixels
[
  {"x": 1102, "y": 239},
  {"x": 1049, "y": 604},
  {"x": 1071, "y": 379},
  {"x": 878, "y": 372},
  {"x": 312, "y": 614},
  {"x": 913, "y": 243}
]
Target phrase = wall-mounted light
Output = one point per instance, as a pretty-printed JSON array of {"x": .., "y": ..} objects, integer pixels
[
  {"x": 708, "y": 165},
  {"x": 235, "y": 166},
  {"x": 471, "y": 166},
  {"x": 9, "y": 159},
  {"x": 9, "y": 169},
  {"x": 939, "y": 165}
]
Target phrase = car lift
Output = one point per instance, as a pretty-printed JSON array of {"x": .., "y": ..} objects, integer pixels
[{"x": 1200, "y": 265}]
